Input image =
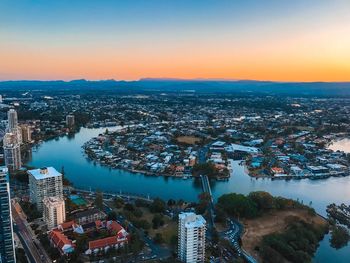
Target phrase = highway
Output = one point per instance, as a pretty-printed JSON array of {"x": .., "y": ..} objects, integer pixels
[{"x": 32, "y": 246}]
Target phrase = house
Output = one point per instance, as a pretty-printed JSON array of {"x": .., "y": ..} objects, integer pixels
[
  {"x": 277, "y": 170},
  {"x": 296, "y": 170},
  {"x": 318, "y": 170},
  {"x": 88, "y": 216},
  {"x": 61, "y": 242},
  {"x": 105, "y": 243}
]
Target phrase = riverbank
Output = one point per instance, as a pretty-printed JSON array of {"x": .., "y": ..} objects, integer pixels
[
  {"x": 273, "y": 222},
  {"x": 84, "y": 174}
]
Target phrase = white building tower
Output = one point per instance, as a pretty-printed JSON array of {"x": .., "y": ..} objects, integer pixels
[
  {"x": 12, "y": 152},
  {"x": 191, "y": 245},
  {"x": 44, "y": 182}
]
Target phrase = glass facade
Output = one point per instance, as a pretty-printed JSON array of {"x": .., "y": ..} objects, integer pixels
[{"x": 7, "y": 254}]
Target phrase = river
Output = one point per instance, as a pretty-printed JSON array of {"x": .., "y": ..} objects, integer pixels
[{"x": 83, "y": 173}]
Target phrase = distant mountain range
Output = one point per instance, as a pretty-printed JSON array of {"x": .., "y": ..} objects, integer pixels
[{"x": 192, "y": 85}]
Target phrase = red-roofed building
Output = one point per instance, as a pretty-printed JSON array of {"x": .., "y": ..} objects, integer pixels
[
  {"x": 114, "y": 227},
  {"x": 119, "y": 238},
  {"x": 66, "y": 226},
  {"x": 277, "y": 170},
  {"x": 99, "y": 224},
  {"x": 61, "y": 242}
]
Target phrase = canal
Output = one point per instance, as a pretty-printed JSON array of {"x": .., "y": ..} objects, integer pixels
[{"x": 67, "y": 152}]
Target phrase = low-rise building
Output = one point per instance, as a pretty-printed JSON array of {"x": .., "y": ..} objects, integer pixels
[
  {"x": 61, "y": 242},
  {"x": 119, "y": 237},
  {"x": 89, "y": 216}
]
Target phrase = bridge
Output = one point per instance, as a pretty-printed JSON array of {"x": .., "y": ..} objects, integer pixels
[{"x": 207, "y": 189}]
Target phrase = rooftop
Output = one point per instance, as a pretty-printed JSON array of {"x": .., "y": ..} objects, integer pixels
[
  {"x": 43, "y": 173},
  {"x": 192, "y": 220}
]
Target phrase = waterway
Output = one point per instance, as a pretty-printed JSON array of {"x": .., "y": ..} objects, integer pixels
[{"x": 67, "y": 152}]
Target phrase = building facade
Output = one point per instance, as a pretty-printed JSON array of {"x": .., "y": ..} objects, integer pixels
[
  {"x": 12, "y": 120},
  {"x": 44, "y": 182},
  {"x": 70, "y": 120},
  {"x": 26, "y": 133},
  {"x": 191, "y": 243},
  {"x": 12, "y": 151},
  {"x": 54, "y": 211},
  {"x": 7, "y": 248},
  {"x": 89, "y": 216}
]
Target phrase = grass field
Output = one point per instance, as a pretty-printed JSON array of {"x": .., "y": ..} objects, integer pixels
[{"x": 167, "y": 230}]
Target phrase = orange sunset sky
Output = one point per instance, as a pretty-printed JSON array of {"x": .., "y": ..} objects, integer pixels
[{"x": 274, "y": 40}]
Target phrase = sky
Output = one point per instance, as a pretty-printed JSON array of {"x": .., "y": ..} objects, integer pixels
[{"x": 279, "y": 40}]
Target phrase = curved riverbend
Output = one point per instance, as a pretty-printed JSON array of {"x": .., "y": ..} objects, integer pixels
[{"x": 84, "y": 173}]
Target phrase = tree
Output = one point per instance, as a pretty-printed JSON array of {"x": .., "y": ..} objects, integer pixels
[
  {"x": 129, "y": 207},
  {"x": 118, "y": 202},
  {"x": 204, "y": 199},
  {"x": 99, "y": 200},
  {"x": 208, "y": 169},
  {"x": 81, "y": 243},
  {"x": 263, "y": 200},
  {"x": 340, "y": 237},
  {"x": 157, "y": 206},
  {"x": 112, "y": 215},
  {"x": 157, "y": 221},
  {"x": 171, "y": 202},
  {"x": 238, "y": 205},
  {"x": 158, "y": 238}
]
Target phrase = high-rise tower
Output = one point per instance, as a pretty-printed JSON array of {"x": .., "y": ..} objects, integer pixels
[{"x": 7, "y": 248}]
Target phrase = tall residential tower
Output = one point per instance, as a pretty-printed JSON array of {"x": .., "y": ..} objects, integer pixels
[
  {"x": 7, "y": 250},
  {"x": 191, "y": 245},
  {"x": 44, "y": 182},
  {"x": 12, "y": 151}
]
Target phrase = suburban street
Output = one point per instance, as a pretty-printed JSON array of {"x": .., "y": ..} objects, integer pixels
[{"x": 32, "y": 246}]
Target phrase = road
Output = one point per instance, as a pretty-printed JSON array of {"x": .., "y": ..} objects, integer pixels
[
  {"x": 233, "y": 234},
  {"x": 32, "y": 246}
]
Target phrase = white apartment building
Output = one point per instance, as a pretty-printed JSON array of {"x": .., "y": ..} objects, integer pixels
[
  {"x": 12, "y": 152},
  {"x": 54, "y": 211},
  {"x": 191, "y": 245},
  {"x": 44, "y": 182}
]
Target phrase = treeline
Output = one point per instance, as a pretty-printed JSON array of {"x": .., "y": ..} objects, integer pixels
[
  {"x": 297, "y": 243},
  {"x": 253, "y": 205}
]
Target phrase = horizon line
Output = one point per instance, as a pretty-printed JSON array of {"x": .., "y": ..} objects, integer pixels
[{"x": 171, "y": 79}]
